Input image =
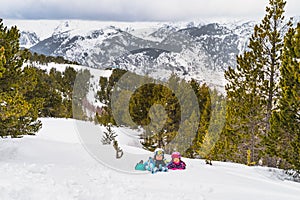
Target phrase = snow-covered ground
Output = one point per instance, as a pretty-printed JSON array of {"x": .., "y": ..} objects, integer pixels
[{"x": 55, "y": 165}]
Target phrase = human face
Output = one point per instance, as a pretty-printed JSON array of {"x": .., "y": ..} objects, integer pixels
[
  {"x": 158, "y": 157},
  {"x": 176, "y": 160}
]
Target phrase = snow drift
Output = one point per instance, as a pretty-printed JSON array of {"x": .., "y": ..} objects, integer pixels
[{"x": 55, "y": 165}]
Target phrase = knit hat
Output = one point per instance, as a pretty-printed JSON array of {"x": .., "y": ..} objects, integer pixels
[
  {"x": 176, "y": 155},
  {"x": 159, "y": 151}
]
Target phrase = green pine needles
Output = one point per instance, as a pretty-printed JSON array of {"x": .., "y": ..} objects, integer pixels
[
  {"x": 18, "y": 112},
  {"x": 263, "y": 95}
]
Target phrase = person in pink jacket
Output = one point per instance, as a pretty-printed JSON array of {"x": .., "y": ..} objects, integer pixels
[{"x": 176, "y": 162}]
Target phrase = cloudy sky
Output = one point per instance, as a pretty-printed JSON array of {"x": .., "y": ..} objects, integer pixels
[{"x": 138, "y": 10}]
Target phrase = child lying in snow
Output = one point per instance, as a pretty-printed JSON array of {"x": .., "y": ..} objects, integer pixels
[
  {"x": 155, "y": 164},
  {"x": 176, "y": 162},
  {"x": 158, "y": 163}
]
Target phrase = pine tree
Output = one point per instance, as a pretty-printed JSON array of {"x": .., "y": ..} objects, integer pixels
[
  {"x": 156, "y": 108},
  {"x": 204, "y": 102},
  {"x": 271, "y": 34},
  {"x": 214, "y": 125},
  {"x": 2, "y": 61},
  {"x": 18, "y": 112},
  {"x": 284, "y": 139},
  {"x": 105, "y": 117},
  {"x": 56, "y": 90},
  {"x": 252, "y": 90},
  {"x": 68, "y": 81},
  {"x": 244, "y": 105},
  {"x": 109, "y": 135},
  {"x": 102, "y": 94},
  {"x": 119, "y": 151},
  {"x": 80, "y": 90}
]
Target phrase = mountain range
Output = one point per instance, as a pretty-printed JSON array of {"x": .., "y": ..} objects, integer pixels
[{"x": 199, "y": 50}]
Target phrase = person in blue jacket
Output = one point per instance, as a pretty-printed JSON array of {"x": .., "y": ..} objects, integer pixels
[{"x": 157, "y": 163}]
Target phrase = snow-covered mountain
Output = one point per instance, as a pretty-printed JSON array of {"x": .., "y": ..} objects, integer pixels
[
  {"x": 101, "y": 47},
  {"x": 199, "y": 50},
  {"x": 54, "y": 165},
  {"x": 28, "y": 39}
]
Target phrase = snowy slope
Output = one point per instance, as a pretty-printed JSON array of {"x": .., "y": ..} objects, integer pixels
[{"x": 55, "y": 165}]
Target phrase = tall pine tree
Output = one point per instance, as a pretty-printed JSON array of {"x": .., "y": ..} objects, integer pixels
[
  {"x": 244, "y": 107},
  {"x": 271, "y": 34},
  {"x": 2, "y": 61},
  {"x": 252, "y": 88},
  {"x": 18, "y": 113},
  {"x": 284, "y": 139}
]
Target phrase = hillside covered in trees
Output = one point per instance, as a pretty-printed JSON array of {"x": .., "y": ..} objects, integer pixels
[
  {"x": 261, "y": 106},
  {"x": 256, "y": 122},
  {"x": 27, "y": 92}
]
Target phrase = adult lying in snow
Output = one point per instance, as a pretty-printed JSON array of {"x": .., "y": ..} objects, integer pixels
[{"x": 176, "y": 162}]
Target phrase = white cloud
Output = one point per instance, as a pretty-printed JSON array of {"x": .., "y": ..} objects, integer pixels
[{"x": 138, "y": 9}]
